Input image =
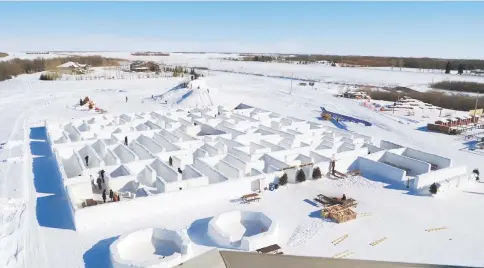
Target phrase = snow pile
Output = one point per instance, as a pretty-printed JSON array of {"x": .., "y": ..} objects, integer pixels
[
  {"x": 358, "y": 181},
  {"x": 305, "y": 232},
  {"x": 10, "y": 213}
]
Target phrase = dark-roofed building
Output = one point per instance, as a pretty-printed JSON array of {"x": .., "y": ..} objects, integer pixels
[{"x": 237, "y": 259}]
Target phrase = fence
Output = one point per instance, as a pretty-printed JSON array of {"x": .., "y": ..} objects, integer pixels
[{"x": 118, "y": 75}]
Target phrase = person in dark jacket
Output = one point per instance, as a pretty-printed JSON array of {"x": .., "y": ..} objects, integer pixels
[
  {"x": 99, "y": 183},
  {"x": 180, "y": 171},
  {"x": 476, "y": 174},
  {"x": 343, "y": 198},
  {"x": 87, "y": 160},
  {"x": 104, "y": 195},
  {"x": 333, "y": 164},
  {"x": 102, "y": 175},
  {"x": 126, "y": 140},
  {"x": 111, "y": 194}
]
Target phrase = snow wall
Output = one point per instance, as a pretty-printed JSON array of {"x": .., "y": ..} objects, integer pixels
[
  {"x": 389, "y": 145},
  {"x": 220, "y": 229},
  {"x": 380, "y": 171},
  {"x": 415, "y": 167},
  {"x": 439, "y": 161},
  {"x": 424, "y": 180},
  {"x": 60, "y": 171},
  {"x": 93, "y": 217}
]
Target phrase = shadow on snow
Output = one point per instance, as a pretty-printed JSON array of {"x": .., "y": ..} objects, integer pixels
[
  {"x": 99, "y": 256},
  {"x": 53, "y": 209}
]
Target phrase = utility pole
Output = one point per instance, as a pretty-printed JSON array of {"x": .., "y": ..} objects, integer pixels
[
  {"x": 477, "y": 100},
  {"x": 292, "y": 76}
]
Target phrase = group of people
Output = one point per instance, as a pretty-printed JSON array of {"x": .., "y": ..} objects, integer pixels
[{"x": 100, "y": 181}]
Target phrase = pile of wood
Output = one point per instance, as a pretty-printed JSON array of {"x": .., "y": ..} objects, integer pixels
[
  {"x": 325, "y": 200},
  {"x": 339, "y": 213}
]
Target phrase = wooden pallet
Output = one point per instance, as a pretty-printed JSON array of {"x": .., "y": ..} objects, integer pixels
[
  {"x": 339, "y": 240},
  {"x": 343, "y": 254},
  {"x": 376, "y": 242},
  {"x": 436, "y": 229}
]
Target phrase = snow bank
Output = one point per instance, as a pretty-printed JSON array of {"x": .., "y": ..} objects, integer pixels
[{"x": 245, "y": 230}]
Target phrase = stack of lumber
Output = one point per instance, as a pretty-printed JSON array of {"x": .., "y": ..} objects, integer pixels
[{"x": 339, "y": 213}]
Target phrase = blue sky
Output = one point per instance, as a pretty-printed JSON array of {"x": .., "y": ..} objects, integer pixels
[{"x": 441, "y": 29}]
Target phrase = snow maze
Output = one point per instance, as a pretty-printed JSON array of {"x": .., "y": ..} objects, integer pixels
[
  {"x": 244, "y": 230},
  {"x": 152, "y": 247}
]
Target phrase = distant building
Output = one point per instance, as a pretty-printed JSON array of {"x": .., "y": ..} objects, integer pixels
[
  {"x": 143, "y": 66},
  {"x": 73, "y": 67}
]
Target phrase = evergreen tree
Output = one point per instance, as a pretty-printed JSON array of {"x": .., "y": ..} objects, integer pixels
[
  {"x": 447, "y": 68},
  {"x": 283, "y": 179},
  {"x": 317, "y": 173},
  {"x": 461, "y": 69},
  {"x": 433, "y": 188},
  {"x": 300, "y": 176}
]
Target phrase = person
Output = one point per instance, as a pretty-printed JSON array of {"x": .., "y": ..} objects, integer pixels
[
  {"x": 126, "y": 140},
  {"x": 87, "y": 160},
  {"x": 343, "y": 198},
  {"x": 99, "y": 183},
  {"x": 476, "y": 172},
  {"x": 333, "y": 164},
  {"x": 179, "y": 170},
  {"x": 80, "y": 102},
  {"x": 111, "y": 194},
  {"x": 104, "y": 195},
  {"x": 126, "y": 98},
  {"x": 102, "y": 175}
]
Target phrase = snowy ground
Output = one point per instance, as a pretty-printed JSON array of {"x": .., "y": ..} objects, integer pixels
[{"x": 36, "y": 229}]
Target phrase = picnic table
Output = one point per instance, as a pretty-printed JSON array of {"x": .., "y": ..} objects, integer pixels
[{"x": 248, "y": 198}]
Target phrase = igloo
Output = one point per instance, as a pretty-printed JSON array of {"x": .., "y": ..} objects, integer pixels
[
  {"x": 244, "y": 230},
  {"x": 152, "y": 247}
]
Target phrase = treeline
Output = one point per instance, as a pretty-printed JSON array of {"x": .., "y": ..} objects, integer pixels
[
  {"x": 461, "y": 86},
  {"x": 14, "y": 67},
  {"x": 3, "y": 54},
  {"x": 148, "y": 53},
  {"x": 371, "y": 61},
  {"x": 258, "y": 58},
  {"x": 460, "y": 102}
]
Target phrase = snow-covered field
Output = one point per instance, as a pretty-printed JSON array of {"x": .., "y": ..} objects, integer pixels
[{"x": 36, "y": 229}]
